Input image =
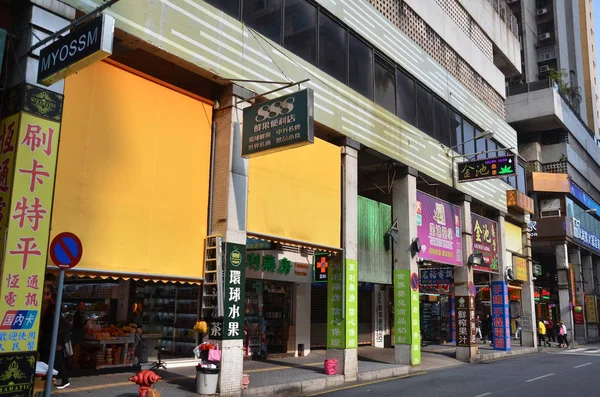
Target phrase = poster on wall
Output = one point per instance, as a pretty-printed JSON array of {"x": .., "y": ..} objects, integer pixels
[
  {"x": 438, "y": 229},
  {"x": 485, "y": 242}
]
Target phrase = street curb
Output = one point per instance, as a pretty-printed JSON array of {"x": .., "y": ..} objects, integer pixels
[{"x": 485, "y": 357}]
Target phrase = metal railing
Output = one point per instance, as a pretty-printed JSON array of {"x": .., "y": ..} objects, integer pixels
[{"x": 502, "y": 9}]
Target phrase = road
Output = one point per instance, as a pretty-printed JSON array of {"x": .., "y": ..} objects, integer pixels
[{"x": 563, "y": 373}]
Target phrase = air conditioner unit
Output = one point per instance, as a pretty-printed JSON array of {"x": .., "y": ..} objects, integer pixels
[
  {"x": 550, "y": 205},
  {"x": 544, "y": 68},
  {"x": 542, "y": 11},
  {"x": 544, "y": 36}
]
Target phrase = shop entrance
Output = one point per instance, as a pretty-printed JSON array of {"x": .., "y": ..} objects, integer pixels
[{"x": 267, "y": 312}]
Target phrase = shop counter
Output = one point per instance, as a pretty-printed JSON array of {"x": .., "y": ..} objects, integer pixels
[{"x": 108, "y": 357}]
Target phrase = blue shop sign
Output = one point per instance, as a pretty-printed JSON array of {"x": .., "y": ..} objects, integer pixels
[
  {"x": 436, "y": 276},
  {"x": 584, "y": 198}
]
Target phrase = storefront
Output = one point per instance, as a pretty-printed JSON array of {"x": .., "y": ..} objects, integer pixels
[
  {"x": 518, "y": 274},
  {"x": 132, "y": 182},
  {"x": 485, "y": 243},
  {"x": 439, "y": 236}
]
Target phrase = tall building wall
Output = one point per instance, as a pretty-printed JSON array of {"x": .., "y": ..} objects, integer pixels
[{"x": 590, "y": 69}]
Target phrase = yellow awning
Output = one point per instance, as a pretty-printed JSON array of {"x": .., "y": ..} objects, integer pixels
[
  {"x": 133, "y": 175},
  {"x": 295, "y": 195}
]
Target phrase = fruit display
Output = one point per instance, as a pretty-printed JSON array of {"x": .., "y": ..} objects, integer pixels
[{"x": 95, "y": 332}]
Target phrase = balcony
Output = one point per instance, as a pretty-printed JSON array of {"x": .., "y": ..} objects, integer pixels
[{"x": 503, "y": 10}]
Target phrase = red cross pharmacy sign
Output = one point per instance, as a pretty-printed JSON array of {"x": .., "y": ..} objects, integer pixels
[{"x": 321, "y": 265}]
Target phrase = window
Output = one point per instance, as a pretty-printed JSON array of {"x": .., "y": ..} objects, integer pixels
[
  {"x": 468, "y": 135},
  {"x": 491, "y": 145},
  {"x": 521, "y": 178},
  {"x": 424, "y": 110},
  {"x": 456, "y": 128},
  {"x": 480, "y": 146},
  {"x": 332, "y": 48},
  {"x": 264, "y": 16},
  {"x": 385, "y": 85},
  {"x": 229, "y": 7},
  {"x": 360, "y": 67},
  {"x": 407, "y": 104},
  {"x": 300, "y": 29},
  {"x": 440, "y": 122}
]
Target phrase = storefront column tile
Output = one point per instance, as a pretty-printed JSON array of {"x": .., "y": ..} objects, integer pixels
[
  {"x": 407, "y": 335},
  {"x": 588, "y": 289},
  {"x": 564, "y": 290},
  {"x": 528, "y": 334},
  {"x": 575, "y": 257}
]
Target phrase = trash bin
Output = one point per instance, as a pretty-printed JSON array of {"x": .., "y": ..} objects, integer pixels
[{"x": 206, "y": 380}]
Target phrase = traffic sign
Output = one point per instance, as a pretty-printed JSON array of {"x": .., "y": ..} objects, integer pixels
[
  {"x": 66, "y": 250},
  {"x": 414, "y": 282}
]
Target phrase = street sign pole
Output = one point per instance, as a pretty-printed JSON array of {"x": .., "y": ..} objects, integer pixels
[{"x": 61, "y": 281}]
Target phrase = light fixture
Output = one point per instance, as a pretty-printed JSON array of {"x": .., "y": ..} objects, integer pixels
[
  {"x": 415, "y": 247},
  {"x": 475, "y": 259},
  {"x": 509, "y": 274}
]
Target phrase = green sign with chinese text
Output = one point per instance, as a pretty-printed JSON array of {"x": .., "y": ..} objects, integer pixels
[
  {"x": 406, "y": 315},
  {"x": 279, "y": 124},
  {"x": 336, "y": 326}
]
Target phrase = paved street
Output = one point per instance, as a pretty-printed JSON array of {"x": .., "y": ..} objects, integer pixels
[{"x": 561, "y": 373}]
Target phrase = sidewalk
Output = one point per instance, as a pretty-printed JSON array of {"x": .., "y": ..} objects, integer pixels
[{"x": 282, "y": 377}]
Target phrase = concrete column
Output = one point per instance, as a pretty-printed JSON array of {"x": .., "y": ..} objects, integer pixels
[
  {"x": 342, "y": 340},
  {"x": 564, "y": 292},
  {"x": 499, "y": 290},
  {"x": 406, "y": 308},
  {"x": 528, "y": 333},
  {"x": 463, "y": 276},
  {"x": 229, "y": 207},
  {"x": 580, "y": 333},
  {"x": 588, "y": 289}
]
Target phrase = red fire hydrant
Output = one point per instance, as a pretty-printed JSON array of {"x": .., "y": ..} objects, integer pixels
[{"x": 145, "y": 379}]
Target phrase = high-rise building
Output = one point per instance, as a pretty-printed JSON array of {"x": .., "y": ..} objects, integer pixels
[{"x": 590, "y": 69}]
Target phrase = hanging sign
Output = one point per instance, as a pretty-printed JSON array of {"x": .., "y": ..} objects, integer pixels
[
  {"x": 320, "y": 270},
  {"x": 495, "y": 167},
  {"x": 485, "y": 242},
  {"x": 85, "y": 45},
  {"x": 520, "y": 266},
  {"x": 279, "y": 124}
]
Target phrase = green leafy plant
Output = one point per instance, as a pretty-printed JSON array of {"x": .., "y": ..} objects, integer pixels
[{"x": 570, "y": 92}]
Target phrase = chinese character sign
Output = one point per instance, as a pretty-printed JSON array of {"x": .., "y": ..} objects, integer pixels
[
  {"x": 336, "y": 326},
  {"x": 282, "y": 123},
  {"x": 379, "y": 317},
  {"x": 520, "y": 268},
  {"x": 9, "y": 130},
  {"x": 407, "y": 330},
  {"x": 233, "y": 293},
  {"x": 465, "y": 321},
  {"x": 590, "y": 309},
  {"x": 351, "y": 304},
  {"x": 500, "y": 316},
  {"x": 26, "y": 243},
  {"x": 438, "y": 229},
  {"x": 435, "y": 276},
  {"x": 493, "y": 167},
  {"x": 485, "y": 242}
]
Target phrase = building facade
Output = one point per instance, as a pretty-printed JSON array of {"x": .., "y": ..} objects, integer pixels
[{"x": 151, "y": 175}]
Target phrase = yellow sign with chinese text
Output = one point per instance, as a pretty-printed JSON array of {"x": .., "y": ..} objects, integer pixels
[
  {"x": 26, "y": 247},
  {"x": 520, "y": 268},
  {"x": 591, "y": 313}
]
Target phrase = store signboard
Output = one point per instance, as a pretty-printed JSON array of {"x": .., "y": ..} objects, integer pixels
[
  {"x": 520, "y": 266},
  {"x": 438, "y": 229},
  {"x": 351, "y": 303},
  {"x": 578, "y": 315},
  {"x": 233, "y": 293},
  {"x": 336, "y": 325},
  {"x": 485, "y": 242},
  {"x": 406, "y": 314},
  {"x": 436, "y": 276},
  {"x": 500, "y": 316},
  {"x": 591, "y": 312},
  {"x": 466, "y": 331},
  {"x": 572, "y": 287},
  {"x": 520, "y": 202},
  {"x": 83, "y": 46},
  {"x": 17, "y": 374},
  {"x": 28, "y": 153},
  {"x": 379, "y": 316},
  {"x": 586, "y": 200},
  {"x": 279, "y": 124},
  {"x": 493, "y": 167},
  {"x": 320, "y": 268},
  {"x": 273, "y": 265}
]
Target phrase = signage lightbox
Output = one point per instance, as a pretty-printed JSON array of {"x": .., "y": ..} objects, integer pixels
[
  {"x": 82, "y": 47},
  {"x": 494, "y": 167},
  {"x": 279, "y": 124}
]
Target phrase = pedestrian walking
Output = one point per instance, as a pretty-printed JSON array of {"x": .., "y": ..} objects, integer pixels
[
  {"x": 488, "y": 321},
  {"x": 550, "y": 330},
  {"x": 556, "y": 331},
  {"x": 63, "y": 341},
  {"x": 518, "y": 327},
  {"x": 478, "y": 328},
  {"x": 563, "y": 332},
  {"x": 542, "y": 334},
  {"x": 486, "y": 327}
]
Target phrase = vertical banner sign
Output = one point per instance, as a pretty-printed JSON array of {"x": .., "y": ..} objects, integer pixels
[
  {"x": 591, "y": 314},
  {"x": 465, "y": 321},
  {"x": 438, "y": 229},
  {"x": 379, "y": 319},
  {"x": 26, "y": 244},
  {"x": 351, "y": 304},
  {"x": 406, "y": 314},
  {"x": 573, "y": 285},
  {"x": 452, "y": 314},
  {"x": 234, "y": 283},
  {"x": 485, "y": 242},
  {"x": 336, "y": 326},
  {"x": 9, "y": 129},
  {"x": 500, "y": 316}
]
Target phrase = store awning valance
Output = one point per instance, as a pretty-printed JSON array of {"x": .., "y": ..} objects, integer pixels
[
  {"x": 295, "y": 195},
  {"x": 298, "y": 244},
  {"x": 133, "y": 175}
]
